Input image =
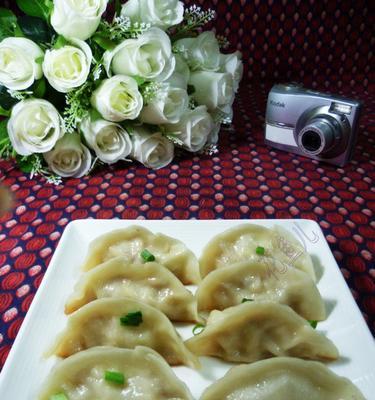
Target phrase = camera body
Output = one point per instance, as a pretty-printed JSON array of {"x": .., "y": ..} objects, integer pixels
[{"x": 312, "y": 124}]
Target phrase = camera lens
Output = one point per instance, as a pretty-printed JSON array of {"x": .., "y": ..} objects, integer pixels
[
  {"x": 318, "y": 136},
  {"x": 311, "y": 141}
]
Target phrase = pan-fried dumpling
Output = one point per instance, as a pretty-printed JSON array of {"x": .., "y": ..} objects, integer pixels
[
  {"x": 282, "y": 378},
  {"x": 130, "y": 243},
  {"x": 124, "y": 323},
  {"x": 150, "y": 283},
  {"x": 256, "y": 330},
  {"x": 240, "y": 244},
  {"x": 261, "y": 279},
  {"x": 108, "y": 373}
]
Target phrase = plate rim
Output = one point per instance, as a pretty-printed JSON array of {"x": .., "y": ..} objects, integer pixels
[{"x": 74, "y": 226}]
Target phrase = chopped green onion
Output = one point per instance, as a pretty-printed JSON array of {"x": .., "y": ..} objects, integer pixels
[
  {"x": 58, "y": 396},
  {"x": 147, "y": 256},
  {"x": 260, "y": 250},
  {"x": 314, "y": 324},
  {"x": 199, "y": 328},
  {"x": 115, "y": 377},
  {"x": 245, "y": 300},
  {"x": 132, "y": 319}
]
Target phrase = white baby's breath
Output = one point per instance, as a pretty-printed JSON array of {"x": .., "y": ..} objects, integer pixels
[
  {"x": 19, "y": 95},
  {"x": 97, "y": 72}
]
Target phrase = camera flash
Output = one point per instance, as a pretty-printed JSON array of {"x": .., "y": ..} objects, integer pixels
[{"x": 341, "y": 108}]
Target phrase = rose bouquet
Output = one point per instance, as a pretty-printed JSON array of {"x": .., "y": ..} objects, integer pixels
[{"x": 77, "y": 90}]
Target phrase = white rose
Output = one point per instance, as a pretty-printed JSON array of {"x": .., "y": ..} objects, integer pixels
[
  {"x": 69, "y": 66},
  {"x": 77, "y": 18},
  {"x": 232, "y": 63},
  {"x": 193, "y": 128},
  {"x": 201, "y": 53},
  {"x": 167, "y": 107},
  {"x": 212, "y": 89},
  {"x": 18, "y": 66},
  {"x": 160, "y": 13},
  {"x": 224, "y": 113},
  {"x": 69, "y": 157},
  {"x": 34, "y": 126},
  {"x": 118, "y": 99},
  {"x": 110, "y": 141},
  {"x": 181, "y": 75},
  {"x": 149, "y": 56},
  {"x": 153, "y": 150},
  {"x": 213, "y": 136}
]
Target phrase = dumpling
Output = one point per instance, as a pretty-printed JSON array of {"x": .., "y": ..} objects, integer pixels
[
  {"x": 124, "y": 323},
  {"x": 282, "y": 378},
  {"x": 240, "y": 244},
  {"x": 256, "y": 330},
  {"x": 130, "y": 243},
  {"x": 108, "y": 373},
  {"x": 150, "y": 283},
  {"x": 261, "y": 279}
]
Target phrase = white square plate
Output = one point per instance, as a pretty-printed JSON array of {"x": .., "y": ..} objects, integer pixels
[{"x": 26, "y": 368}]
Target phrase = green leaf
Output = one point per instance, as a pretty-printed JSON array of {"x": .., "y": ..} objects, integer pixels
[
  {"x": 36, "y": 8},
  {"x": 55, "y": 97},
  {"x": 8, "y": 23},
  {"x": 190, "y": 90},
  {"x": 6, "y": 149},
  {"x": 39, "y": 88},
  {"x": 118, "y": 7},
  {"x": 39, "y": 60},
  {"x": 60, "y": 42},
  {"x": 6, "y": 100},
  {"x": 95, "y": 115},
  {"x": 245, "y": 300},
  {"x": 140, "y": 81},
  {"x": 128, "y": 127},
  {"x": 6, "y": 13},
  {"x": 7, "y": 17},
  {"x": 3, "y": 130},
  {"x": 35, "y": 29},
  {"x": 4, "y": 112},
  {"x": 313, "y": 324},
  {"x": 25, "y": 163},
  {"x": 104, "y": 42}
]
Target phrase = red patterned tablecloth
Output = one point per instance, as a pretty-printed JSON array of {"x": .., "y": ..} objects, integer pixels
[{"x": 325, "y": 44}]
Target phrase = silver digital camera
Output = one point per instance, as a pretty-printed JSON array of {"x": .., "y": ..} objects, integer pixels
[{"x": 312, "y": 124}]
